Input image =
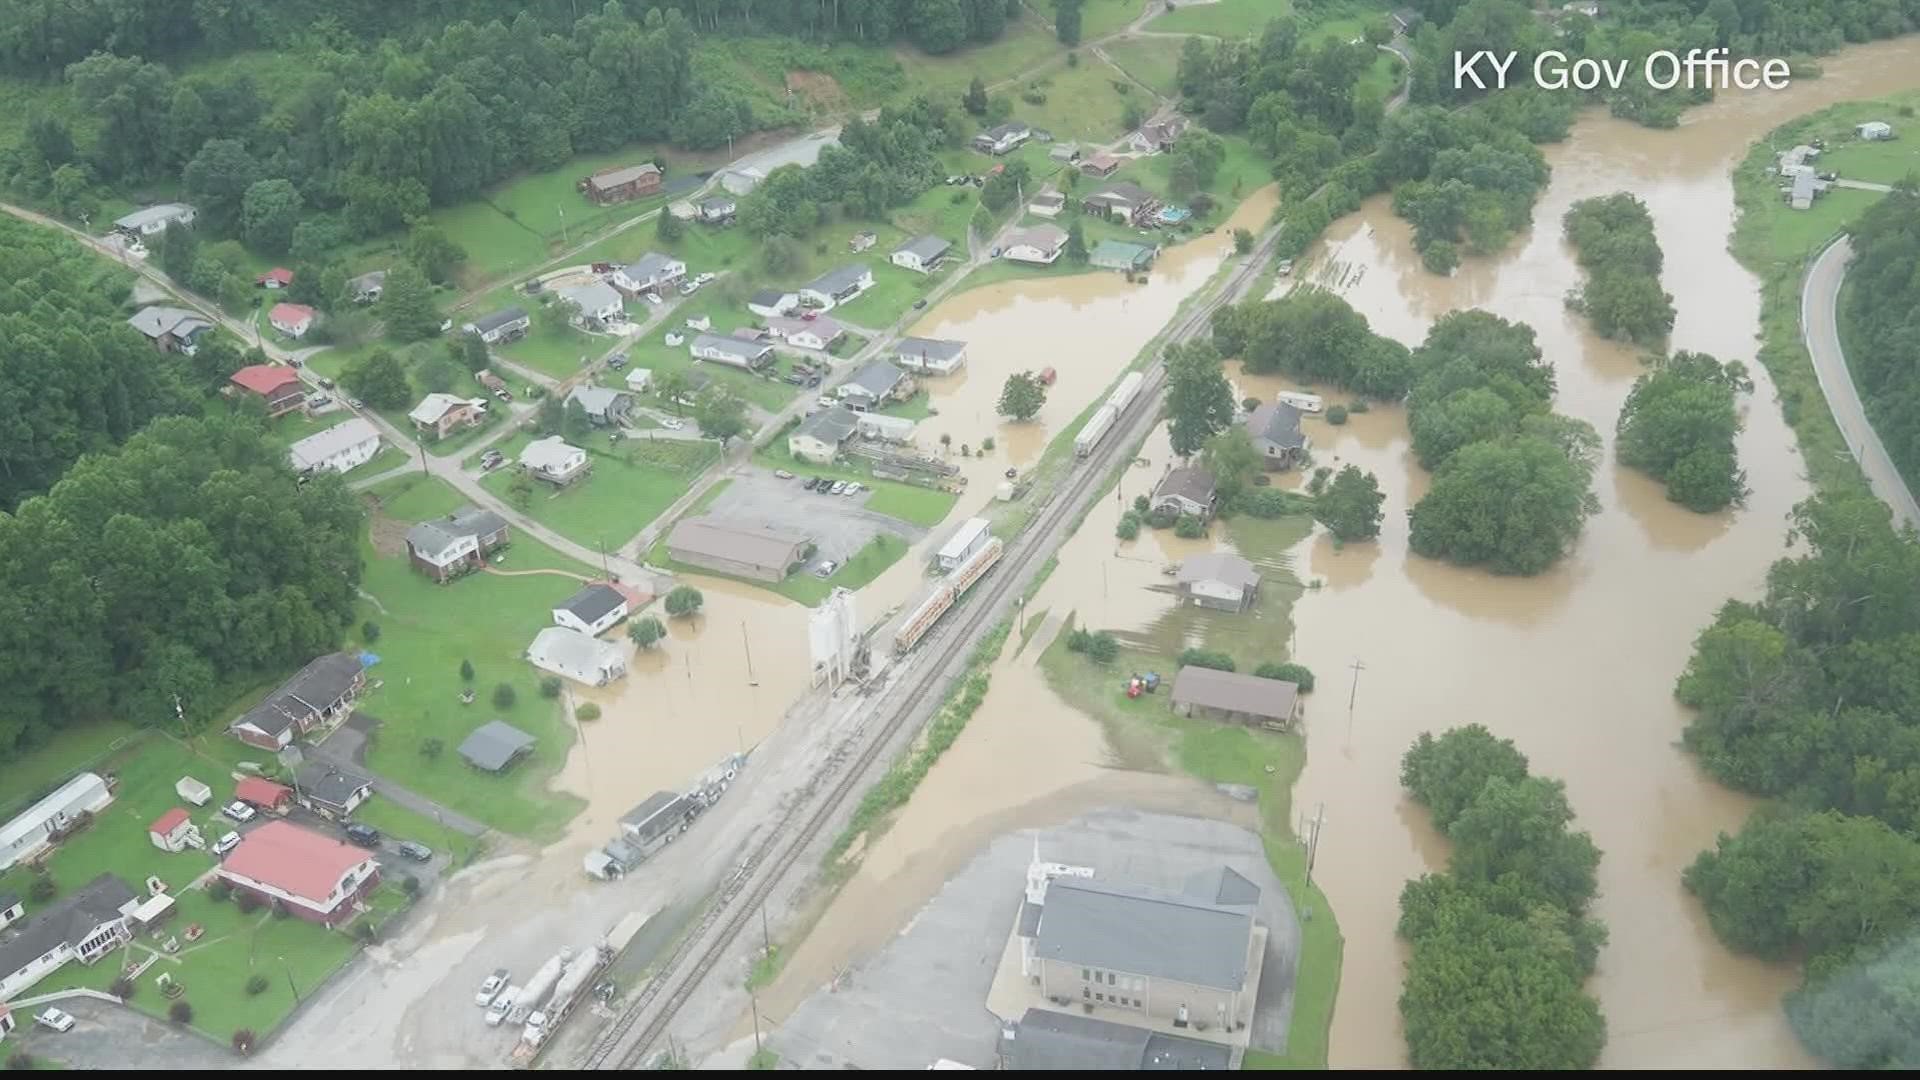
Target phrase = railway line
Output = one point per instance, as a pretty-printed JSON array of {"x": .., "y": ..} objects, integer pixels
[{"x": 939, "y": 659}]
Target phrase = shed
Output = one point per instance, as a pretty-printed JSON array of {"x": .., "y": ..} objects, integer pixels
[
  {"x": 192, "y": 790},
  {"x": 1246, "y": 698},
  {"x": 495, "y": 745},
  {"x": 1220, "y": 580},
  {"x": 173, "y": 831},
  {"x": 1874, "y": 130},
  {"x": 1120, "y": 255},
  {"x": 263, "y": 793}
]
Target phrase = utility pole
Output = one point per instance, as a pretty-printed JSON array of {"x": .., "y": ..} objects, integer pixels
[
  {"x": 1313, "y": 838},
  {"x": 756, "y": 1024},
  {"x": 1358, "y": 666},
  {"x": 751, "y": 680},
  {"x": 289, "y": 974},
  {"x": 605, "y": 568},
  {"x": 182, "y": 715},
  {"x": 563, "y": 225}
]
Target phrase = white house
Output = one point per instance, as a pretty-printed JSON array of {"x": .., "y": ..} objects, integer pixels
[
  {"x": 84, "y": 925},
  {"x": 818, "y": 333},
  {"x": 652, "y": 271},
  {"x": 1048, "y": 204},
  {"x": 639, "y": 380},
  {"x": 1040, "y": 245},
  {"x": 293, "y": 320},
  {"x": 893, "y": 429},
  {"x": 935, "y": 356},
  {"x": 922, "y": 253},
  {"x": 595, "y": 301},
  {"x": 731, "y": 351},
  {"x": 571, "y": 654},
  {"x": 155, "y": 219},
  {"x": 874, "y": 385},
  {"x": 552, "y": 459},
  {"x": 819, "y": 437},
  {"x": 342, "y": 448},
  {"x": 594, "y": 608},
  {"x": 503, "y": 325},
  {"x": 837, "y": 286},
  {"x": 773, "y": 303},
  {"x": 36, "y": 826},
  {"x": 1002, "y": 139}
]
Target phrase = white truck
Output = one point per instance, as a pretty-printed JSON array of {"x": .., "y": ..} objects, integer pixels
[{"x": 534, "y": 994}]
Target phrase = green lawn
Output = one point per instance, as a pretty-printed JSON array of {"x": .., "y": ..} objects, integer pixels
[
  {"x": 397, "y": 822},
  {"x": 33, "y": 773},
  {"x": 1099, "y": 18},
  {"x": 1083, "y": 102},
  {"x": 1025, "y": 42},
  {"x": 335, "y": 360},
  {"x": 629, "y": 487},
  {"x": 1153, "y": 61},
  {"x": 556, "y": 349},
  {"x": 943, "y": 211},
  {"x": 427, "y": 630},
  {"x": 917, "y": 407},
  {"x": 1226, "y": 18}
]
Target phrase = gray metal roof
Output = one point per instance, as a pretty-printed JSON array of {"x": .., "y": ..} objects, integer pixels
[
  {"x": 839, "y": 279},
  {"x": 1004, "y": 130},
  {"x": 1120, "y": 191},
  {"x": 68, "y": 921},
  {"x": 1221, "y": 566},
  {"x": 324, "y": 783},
  {"x": 494, "y": 744},
  {"x": 597, "y": 400},
  {"x": 316, "y": 687},
  {"x": 593, "y": 602},
  {"x": 925, "y": 349},
  {"x": 1224, "y": 886},
  {"x": 1272, "y": 699},
  {"x": 927, "y": 247},
  {"x": 593, "y": 296},
  {"x": 1188, "y": 482},
  {"x": 613, "y": 178},
  {"x": 318, "y": 447},
  {"x": 770, "y": 297},
  {"x": 649, "y": 266},
  {"x": 1050, "y": 1040},
  {"x": 757, "y": 544},
  {"x": 877, "y": 379},
  {"x": 151, "y": 214},
  {"x": 489, "y": 323},
  {"x": 431, "y": 538},
  {"x": 160, "y": 320},
  {"x": 1278, "y": 423},
  {"x": 828, "y": 425},
  {"x": 719, "y": 204},
  {"x": 728, "y": 345},
  {"x": 1144, "y": 931}
]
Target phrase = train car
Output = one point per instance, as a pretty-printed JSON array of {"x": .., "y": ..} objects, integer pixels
[
  {"x": 1124, "y": 394},
  {"x": 1095, "y": 430}
]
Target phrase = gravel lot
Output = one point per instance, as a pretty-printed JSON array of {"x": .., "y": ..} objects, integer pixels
[
  {"x": 111, "y": 1037},
  {"x": 840, "y": 525},
  {"x": 923, "y": 997}
]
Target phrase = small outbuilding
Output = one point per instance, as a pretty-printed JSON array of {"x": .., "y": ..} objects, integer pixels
[
  {"x": 1220, "y": 580},
  {"x": 1874, "y": 130},
  {"x": 495, "y": 745},
  {"x": 264, "y": 794},
  {"x": 173, "y": 831},
  {"x": 595, "y": 607},
  {"x": 1248, "y": 699}
]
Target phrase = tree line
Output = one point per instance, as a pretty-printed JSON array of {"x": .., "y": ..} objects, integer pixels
[
  {"x": 1501, "y": 942},
  {"x": 1882, "y": 326},
  {"x": 1612, "y": 237},
  {"x": 164, "y": 574},
  {"x": 1810, "y": 695}
]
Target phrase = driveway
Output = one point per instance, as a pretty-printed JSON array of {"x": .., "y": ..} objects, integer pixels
[
  {"x": 116, "y": 1038},
  {"x": 840, "y": 526},
  {"x": 346, "y": 748}
]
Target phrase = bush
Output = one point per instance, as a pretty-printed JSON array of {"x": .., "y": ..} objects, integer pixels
[
  {"x": 247, "y": 902},
  {"x": 1189, "y": 527},
  {"x": 550, "y": 686},
  {"x": 1293, "y": 673},
  {"x": 1269, "y": 503},
  {"x": 1249, "y": 403},
  {"x": 1358, "y": 405},
  {"x": 180, "y": 1012},
  {"x": 431, "y": 748},
  {"x": 1141, "y": 504},
  {"x": 280, "y": 909},
  {"x": 986, "y": 444},
  {"x": 503, "y": 696},
  {"x": 1129, "y": 526},
  {"x": 369, "y": 631},
  {"x": 1162, "y": 517},
  {"x": 219, "y": 891},
  {"x": 256, "y": 985},
  {"x": 244, "y": 1039},
  {"x": 1206, "y": 658},
  {"x": 466, "y": 670},
  {"x": 410, "y": 885},
  {"x": 1099, "y": 647},
  {"x": 20, "y": 1061},
  {"x": 1317, "y": 483},
  {"x": 1337, "y": 415},
  {"x": 364, "y": 931},
  {"x": 589, "y": 711},
  {"x": 684, "y": 600},
  {"x": 122, "y": 988},
  {"x": 42, "y": 889}
]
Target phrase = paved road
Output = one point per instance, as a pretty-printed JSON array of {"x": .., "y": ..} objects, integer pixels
[
  {"x": 1819, "y": 325},
  {"x": 345, "y": 749}
]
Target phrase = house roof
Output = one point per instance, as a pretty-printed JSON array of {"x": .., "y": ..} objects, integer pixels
[
  {"x": 929, "y": 349},
  {"x": 877, "y": 379},
  {"x": 290, "y": 314},
  {"x": 661, "y": 812},
  {"x": 372, "y": 279},
  {"x": 325, "y": 680},
  {"x": 151, "y": 214},
  {"x": 160, "y": 320},
  {"x": 260, "y": 791},
  {"x": 771, "y": 297},
  {"x": 1278, "y": 423},
  {"x": 729, "y": 345},
  {"x": 1120, "y": 191},
  {"x": 1144, "y": 931},
  {"x": 1045, "y": 237},
  {"x": 8, "y": 899},
  {"x": 1164, "y": 130},
  {"x": 316, "y": 448},
  {"x": 838, "y": 279},
  {"x": 638, "y": 377},
  {"x": 294, "y": 860},
  {"x": 719, "y": 204},
  {"x": 279, "y": 275},
  {"x": 828, "y": 425},
  {"x": 1272, "y": 699},
  {"x": 649, "y": 266},
  {"x": 264, "y": 379},
  {"x": 596, "y": 400},
  {"x": 593, "y": 602},
  {"x": 1190, "y": 482},
  {"x": 433, "y": 537},
  {"x": 1224, "y": 886},
  {"x": 68, "y": 921},
  {"x": 323, "y": 782},
  {"x": 927, "y": 247},
  {"x": 549, "y": 453},
  {"x": 169, "y": 821},
  {"x": 570, "y": 649},
  {"x": 83, "y": 787},
  {"x": 822, "y": 327},
  {"x": 1102, "y": 161},
  {"x": 434, "y": 407},
  {"x": 621, "y": 176},
  {"x": 1222, "y": 566},
  {"x": 755, "y": 544},
  {"x": 1004, "y": 130},
  {"x": 488, "y": 323},
  {"x": 494, "y": 744},
  {"x": 591, "y": 297},
  {"x": 1048, "y": 198},
  {"x": 1045, "y": 1039}
]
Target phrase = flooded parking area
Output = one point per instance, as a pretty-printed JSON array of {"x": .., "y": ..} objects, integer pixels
[{"x": 838, "y": 525}]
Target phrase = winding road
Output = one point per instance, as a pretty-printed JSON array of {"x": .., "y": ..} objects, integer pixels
[{"x": 1820, "y": 328}]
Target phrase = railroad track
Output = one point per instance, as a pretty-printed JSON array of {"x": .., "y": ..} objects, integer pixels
[{"x": 625, "y": 1042}]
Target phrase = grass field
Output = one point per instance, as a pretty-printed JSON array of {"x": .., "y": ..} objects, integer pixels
[
  {"x": 426, "y": 631},
  {"x": 629, "y": 487},
  {"x": 1098, "y": 18},
  {"x": 1153, "y": 61},
  {"x": 32, "y": 773},
  {"x": 1026, "y": 42},
  {"x": 332, "y": 362},
  {"x": 1225, "y": 18},
  {"x": 1082, "y": 102}
]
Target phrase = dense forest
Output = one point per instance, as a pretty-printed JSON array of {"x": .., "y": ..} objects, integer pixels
[
  {"x": 1880, "y": 318},
  {"x": 1811, "y": 695},
  {"x": 1678, "y": 425},
  {"x": 1501, "y": 941},
  {"x": 1613, "y": 236}
]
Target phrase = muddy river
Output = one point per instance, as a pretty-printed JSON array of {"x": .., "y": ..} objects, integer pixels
[{"x": 1575, "y": 665}]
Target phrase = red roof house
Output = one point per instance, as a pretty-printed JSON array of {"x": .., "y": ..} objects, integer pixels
[
  {"x": 317, "y": 877},
  {"x": 278, "y": 386},
  {"x": 293, "y": 320},
  {"x": 263, "y": 793},
  {"x": 172, "y": 831},
  {"x": 277, "y": 278}
]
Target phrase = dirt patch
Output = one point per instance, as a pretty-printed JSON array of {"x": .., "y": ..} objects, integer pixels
[
  {"x": 388, "y": 535},
  {"x": 821, "y": 90}
]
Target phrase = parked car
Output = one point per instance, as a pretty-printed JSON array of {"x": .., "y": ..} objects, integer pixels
[
  {"x": 782, "y": 474},
  {"x": 920, "y": 303},
  {"x": 238, "y": 811},
  {"x": 326, "y": 384},
  {"x": 996, "y": 252},
  {"x": 826, "y": 402},
  {"x": 689, "y": 288},
  {"x": 672, "y": 423},
  {"x": 318, "y": 401},
  {"x": 809, "y": 315},
  {"x": 502, "y": 1005},
  {"x": 617, "y": 361},
  {"x": 225, "y": 844},
  {"x": 602, "y": 268},
  {"x": 365, "y": 835},
  {"x": 813, "y": 381},
  {"x": 811, "y": 483},
  {"x": 1283, "y": 267},
  {"x": 491, "y": 988},
  {"x": 826, "y": 569},
  {"x": 654, "y": 298},
  {"x": 414, "y": 851},
  {"x": 838, "y": 487},
  {"x": 702, "y": 279},
  {"x": 492, "y": 459},
  {"x": 55, "y": 1019},
  {"x": 355, "y": 403},
  {"x": 854, "y": 487}
]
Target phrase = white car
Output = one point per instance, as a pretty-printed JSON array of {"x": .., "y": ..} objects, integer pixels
[
  {"x": 672, "y": 423},
  {"x": 782, "y": 474},
  {"x": 55, "y": 1019},
  {"x": 853, "y": 488},
  {"x": 238, "y": 811},
  {"x": 654, "y": 298},
  {"x": 502, "y": 1005},
  {"x": 702, "y": 279},
  {"x": 490, "y": 989},
  {"x": 226, "y": 843},
  {"x": 839, "y": 487}
]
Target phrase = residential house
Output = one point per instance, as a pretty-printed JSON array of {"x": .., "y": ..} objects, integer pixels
[
  {"x": 1064, "y": 153},
  {"x": 1044, "y": 1039},
  {"x": 293, "y": 320},
  {"x": 277, "y": 278},
  {"x": 718, "y": 210},
  {"x": 315, "y": 877},
  {"x": 650, "y": 272},
  {"x": 1275, "y": 430},
  {"x": 1247, "y": 699},
  {"x": 171, "y": 329},
  {"x": 84, "y": 925},
  {"x": 367, "y": 288},
  {"x": 773, "y": 303},
  {"x": 603, "y": 406},
  {"x": 862, "y": 241},
  {"x": 12, "y": 909},
  {"x": 639, "y": 380},
  {"x": 342, "y": 448},
  {"x": 1403, "y": 20},
  {"x": 445, "y": 548},
  {"x": 1220, "y": 580},
  {"x": 1158, "y": 135},
  {"x": 1002, "y": 139},
  {"x": 874, "y": 385},
  {"x": 1101, "y": 165},
  {"x": 317, "y": 694},
  {"x": 837, "y": 286},
  {"x": 922, "y": 253},
  {"x": 173, "y": 832},
  {"x": 621, "y": 183},
  {"x": 495, "y": 745},
  {"x": 439, "y": 415},
  {"x": 972, "y": 535},
  {"x": 553, "y": 460},
  {"x": 330, "y": 791},
  {"x": 818, "y": 334},
  {"x": 758, "y": 551},
  {"x": 884, "y": 428},
  {"x": 819, "y": 437},
  {"x": 654, "y": 823},
  {"x": 1121, "y": 255},
  {"x": 1874, "y": 130},
  {"x": 1040, "y": 245},
  {"x": 1589, "y": 8},
  {"x": 1118, "y": 200},
  {"x": 263, "y": 794},
  {"x": 1187, "y": 490},
  {"x": 504, "y": 325},
  {"x": 731, "y": 351},
  {"x": 277, "y": 387},
  {"x": 742, "y": 180},
  {"x": 571, "y": 654},
  {"x": 152, "y": 221},
  {"x": 596, "y": 303},
  {"x": 1048, "y": 204},
  {"x": 595, "y": 607},
  {"x": 934, "y": 356},
  {"x": 50, "y": 819}
]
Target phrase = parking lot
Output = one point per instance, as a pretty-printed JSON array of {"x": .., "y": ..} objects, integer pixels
[{"x": 840, "y": 525}]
